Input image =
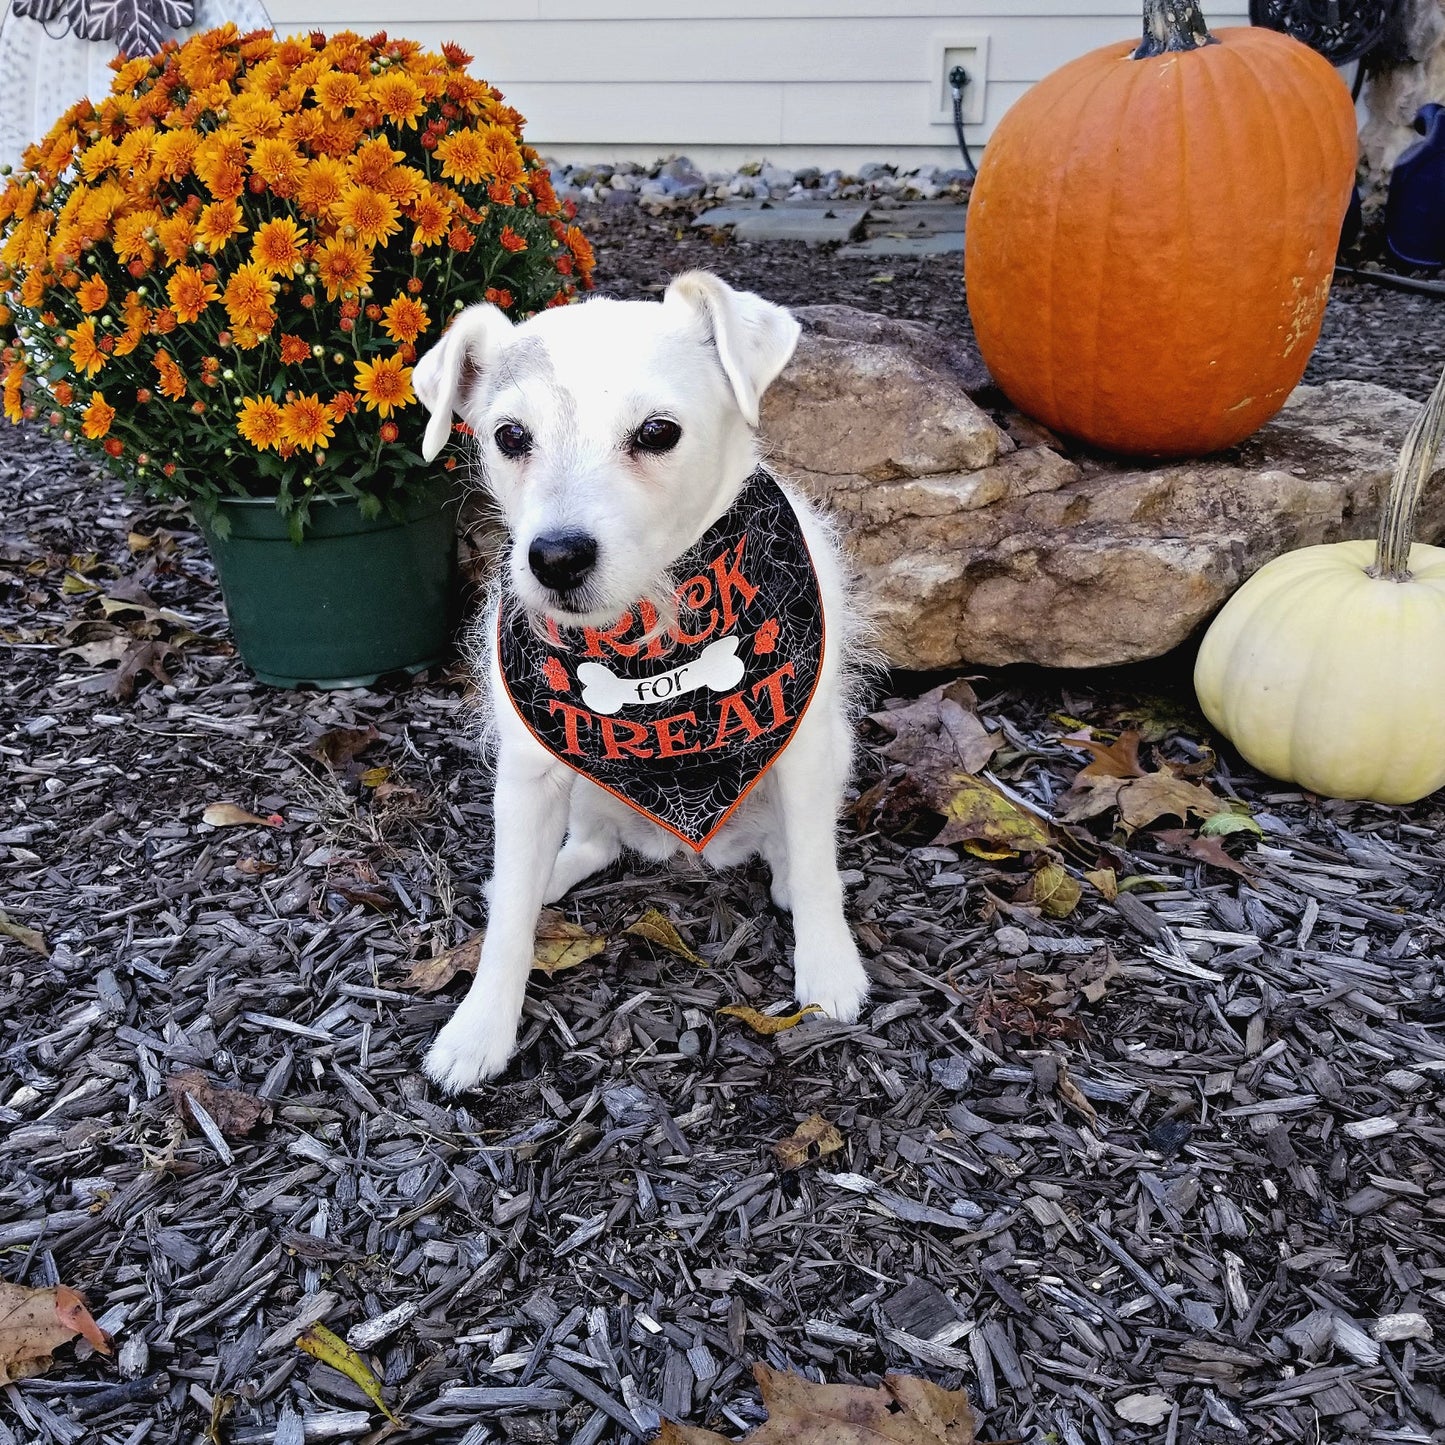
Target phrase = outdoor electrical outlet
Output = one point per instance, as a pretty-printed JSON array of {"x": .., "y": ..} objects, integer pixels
[{"x": 948, "y": 53}]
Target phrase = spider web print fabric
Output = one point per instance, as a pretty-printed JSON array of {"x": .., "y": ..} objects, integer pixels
[{"x": 682, "y": 727}]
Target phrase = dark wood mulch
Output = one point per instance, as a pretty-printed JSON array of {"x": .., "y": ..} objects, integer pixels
[{"x": 1169, "y": 1170}]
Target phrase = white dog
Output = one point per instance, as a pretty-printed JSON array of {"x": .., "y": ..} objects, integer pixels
[{"x": 613, "y": 436}]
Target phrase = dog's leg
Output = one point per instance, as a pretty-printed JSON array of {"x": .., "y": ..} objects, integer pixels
[
  {"x": 593, "y": 841},
  {"x": 826, "y": 967},
  {"x": 529, "y": 819}
]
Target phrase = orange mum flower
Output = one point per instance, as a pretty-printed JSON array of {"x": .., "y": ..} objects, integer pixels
[
  {"x": 294, "y": 349},
  {"x": 14, "y": 393},
  {"x": 62, "y": 391},
  {"x": 339, "y": 91},
  {"x": 398, "y": 97},
  {"x": 97, "y": 417},
  {"x": 190, "y": 293},
  {"x": 322, "y": 184},
  {"x": 343, "y": 404},
  {"x": 405, "y": 319},
  {"x": 85, "y": 353},
  {"x": 581, "y": 249},
  {"x": 279, "y": 165},
  {"x": 367, "y": 214},
  {"x": 219, "y": 222},
  {"x": 343, "y": 267},
  {"x": 172, "y": 378},
  {"x": 384, "y": 384},
  {"x": 373, "y": 159},
  {"x": 498, "y": 296},
  {"x": 276, "y": 248},
  {"x": 510, "y": 240},
  {"x": 432, "y": 217},
  {"x": 306, "y": 422},
  {"x": 254, "y": 116},
  {"x": 261, "y": 422},
  {"x": 174, "y": 152},
  {"x": 177, "y": 234},
  {"x": 463, "y": 156},
  {"x": 248, "y": 299},
  {"x": 92, "y": 294}
]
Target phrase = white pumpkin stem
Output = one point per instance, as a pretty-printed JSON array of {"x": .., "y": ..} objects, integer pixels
[
  {"x": 1412, "y": 471},
  {"x": 1172, "y": 25}
]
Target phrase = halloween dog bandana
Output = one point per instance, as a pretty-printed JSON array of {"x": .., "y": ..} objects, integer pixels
[{"x": 681, "y": 728}]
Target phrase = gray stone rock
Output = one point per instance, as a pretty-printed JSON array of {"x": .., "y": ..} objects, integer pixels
[
  {"x": 873, "y": 399},
  {"x": 974, "y": 547}
]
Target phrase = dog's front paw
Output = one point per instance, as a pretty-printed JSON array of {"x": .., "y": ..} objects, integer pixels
[
  {"x": 830, "y": 974},
  {"x": 468, "y": 1052}
]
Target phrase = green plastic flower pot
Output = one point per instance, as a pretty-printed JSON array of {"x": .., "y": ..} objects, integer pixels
[{"x": 353, "y": 601}]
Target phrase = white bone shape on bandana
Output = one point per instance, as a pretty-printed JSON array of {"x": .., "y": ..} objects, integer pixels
[{"x": 717, "y": 667}]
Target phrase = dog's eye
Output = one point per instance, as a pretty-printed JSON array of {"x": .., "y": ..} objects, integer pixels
[
  {"x": 512, "y": 439},
  {"x": 657, "y": 434}
]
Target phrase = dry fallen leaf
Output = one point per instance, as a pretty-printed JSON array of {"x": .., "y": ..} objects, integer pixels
[
  {"x": 656, "y": 928},
  {"x": 559, "y": 945},
  {"x": 1053, "y": 891},
  {"x": 139, "y": 657},
  {"x": 229, "y": 815},
  {"x": 1143, "y": 1409},
  {"x": 31, "y": 938},
  {"x": 1106, "y": 881},
  {"x": 979, "y": 813},
  {"x": 430, "y": 974},
  {"x": 254, "y": 867},
  {"x": 321, "y": 1344},
  {"x": 813, "y": 1138},
  {"x": 339, "y": 746},
  {"x": 938, "y": 734},
  {"x": 1144, "y": 799},
  {"x": 1227, "y": 823},
  {"x": 36, "y": 1322},
  {"x": 1202, "y": 850},
  {"x": 1119, "y": 759},
  {"x": 901, "y": 1411},
  {"x": 235, "y": 1112},
  {"x": 1073, "y": 1096},
  {"x": 761, "y": 1023}
]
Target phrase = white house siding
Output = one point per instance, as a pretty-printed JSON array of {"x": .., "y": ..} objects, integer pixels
[{"x": 820, "y": 82}]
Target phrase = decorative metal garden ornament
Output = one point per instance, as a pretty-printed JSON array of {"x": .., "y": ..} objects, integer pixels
[{"x": 1340, "y": 30}]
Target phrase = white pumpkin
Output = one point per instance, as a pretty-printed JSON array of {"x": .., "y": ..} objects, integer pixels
[{"x": 1327, "y": 668}]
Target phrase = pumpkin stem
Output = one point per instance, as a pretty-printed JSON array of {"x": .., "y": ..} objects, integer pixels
[
  {"x": 1172, "y": 25},
  {"x": 1412, "y": 471}
]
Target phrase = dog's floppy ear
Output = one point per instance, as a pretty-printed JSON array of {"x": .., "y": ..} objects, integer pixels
[
  {"x": 444, "y": 376},
  {"x": 754, "y": 338}
]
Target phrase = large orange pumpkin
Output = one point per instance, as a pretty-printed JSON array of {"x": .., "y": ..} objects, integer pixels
[{"x": 1153, "y": 230}]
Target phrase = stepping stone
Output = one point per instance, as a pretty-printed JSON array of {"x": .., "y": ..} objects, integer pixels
[
  {"x": 917, "y": 218},
  {"x": 813, "y": 222},
  {"x": 892, "y": 243}
]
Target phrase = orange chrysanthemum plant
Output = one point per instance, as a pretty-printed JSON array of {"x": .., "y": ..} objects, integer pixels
[{"x": 220, "y": 275}]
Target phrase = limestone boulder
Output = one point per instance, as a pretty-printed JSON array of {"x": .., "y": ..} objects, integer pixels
[{"x": 981, "y": 539}]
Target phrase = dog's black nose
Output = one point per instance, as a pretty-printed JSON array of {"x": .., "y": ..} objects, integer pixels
[{"x": 562, "y": 560}]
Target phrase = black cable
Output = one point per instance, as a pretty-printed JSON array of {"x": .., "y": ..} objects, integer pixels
[
  {"x": 1394, "y": 282},
  {"x": 957, "y": 79}
]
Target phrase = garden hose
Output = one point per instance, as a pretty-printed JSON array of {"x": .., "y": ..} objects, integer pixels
[{"x": 957, "y": 79}]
